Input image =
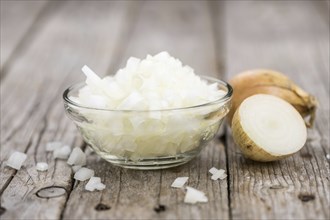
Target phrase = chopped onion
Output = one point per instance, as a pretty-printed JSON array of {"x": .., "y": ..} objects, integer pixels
[
  {"x": 100, "y": 186},
  {"x": 217, "y": 174},
  {"x": 83, "y": 174},
  {"x": 220, "y": 174},
  {"x": 213, "y": 170},
  {"x": 41, "y": 166},
  {"x": 16, "y": 160},
  {"x": 179, "y": 182},
  {"x": 51, "y": 146},
  {"x": 193, "y": 196},
  {"x": 62, "y": 153},
  {"x": 156, "y": 83},
  {"x": 77, "y": 157},
  {"x": 94, "y": 183}
]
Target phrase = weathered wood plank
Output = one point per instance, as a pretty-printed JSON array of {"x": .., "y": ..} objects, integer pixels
[
  {"x": 177, "y": 28},
  {"x": 291, "y": 37},
  {"x": 32, "y": 109},
  {"x": 184, "y": 29},
  {"x": 17, "y": 18}
]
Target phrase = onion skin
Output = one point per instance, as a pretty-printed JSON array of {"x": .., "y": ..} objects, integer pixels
[
  {"x": 247, "y": 146},
  {"x": 263, "y": 81}
]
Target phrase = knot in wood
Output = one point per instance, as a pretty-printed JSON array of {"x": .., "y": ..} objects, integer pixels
[
  {"x": 102, "y": 207},
  {"x": 306, "y": 197},
  {"x": 160, "y": 208},
  {"x": 51, "y": 192}
]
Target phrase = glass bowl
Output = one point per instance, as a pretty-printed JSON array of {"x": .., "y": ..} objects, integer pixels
[{"x": 146, "y": 140}]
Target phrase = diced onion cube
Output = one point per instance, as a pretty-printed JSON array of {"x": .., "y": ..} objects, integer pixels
[
  {"x": 219, "y": 174},
  {"x": 16, "y": 160},
  {"x": 62, "y": 153},
  {"x": 100, "y": 186},
  {"x": 91, "y": 184},
  {"x": 179, "y": 182},
  {"x": 213, "y": 170},
  {"x": 94, "y": 183},
  {"x": 83, "y": 174},
  {"x": 41, "y": 166},
  {"x": 193, "y": 196}
]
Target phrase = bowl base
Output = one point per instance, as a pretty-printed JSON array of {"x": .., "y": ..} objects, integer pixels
[{"x": 150, "y": 163}]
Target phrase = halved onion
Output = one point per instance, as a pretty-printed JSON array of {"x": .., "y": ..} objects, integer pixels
[
  {"x": 62, "y": 152},
  {"x": 267, "y": 128}
]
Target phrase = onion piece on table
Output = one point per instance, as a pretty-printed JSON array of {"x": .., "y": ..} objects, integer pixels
[
  {"x": 16, "y": 160},
  {"x": 179, "y": 182},
  {"x": 220, "y": 174},
  {"x": 94, "y": 183},
  {"x": 83, "y": 174},
  {"x": 62, "y": 153},
  {"x": 77, "y": 157},
  {"x": 100, "y": 186},
  {"x": 193, "y": 196},
  {"x": 213, "y": 170},
  {"x": 41, "y": 166}
]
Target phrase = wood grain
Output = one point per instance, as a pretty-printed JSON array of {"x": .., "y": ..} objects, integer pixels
[
  {"x": 33, "y": 89},
  {"x": 45, "y": 44},
  {"x": 20, "y": 22},
  {"x": 292, "y": 38}
]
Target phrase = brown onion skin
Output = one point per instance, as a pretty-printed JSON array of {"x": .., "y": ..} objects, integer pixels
[{"x": 263, "y": 81}]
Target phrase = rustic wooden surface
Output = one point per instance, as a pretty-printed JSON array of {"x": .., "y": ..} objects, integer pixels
[{"x": 44, "y": 44}]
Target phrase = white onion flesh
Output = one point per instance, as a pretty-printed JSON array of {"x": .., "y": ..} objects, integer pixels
[
  {"x": 94, "y": 183},
  {"x": 220, "y": 174},
  {"x": 179, "y": 182},
  {"x": 51, "y": 146},
  {"x": 155, "y": 83},
  {"x": 62, "y": 152},
  {"x": 193, "y": 196},
  {"x": 100, "y": 186},
  {"x": 273, "y": 124},
  {"x": 213, "y": 170},
  {"x": 77, "y": 157},
  {"x": 83, "y": 174},
  {"x": 16, "y": 160},
  {"x": 217, "y": 174},
  {"x": 41, "y": 166}
]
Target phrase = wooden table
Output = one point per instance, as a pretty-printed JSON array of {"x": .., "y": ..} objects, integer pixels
[{"x": 44, "y": 44}]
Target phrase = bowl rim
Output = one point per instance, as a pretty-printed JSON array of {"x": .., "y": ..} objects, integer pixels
[{"x": 227, "y": 97}]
